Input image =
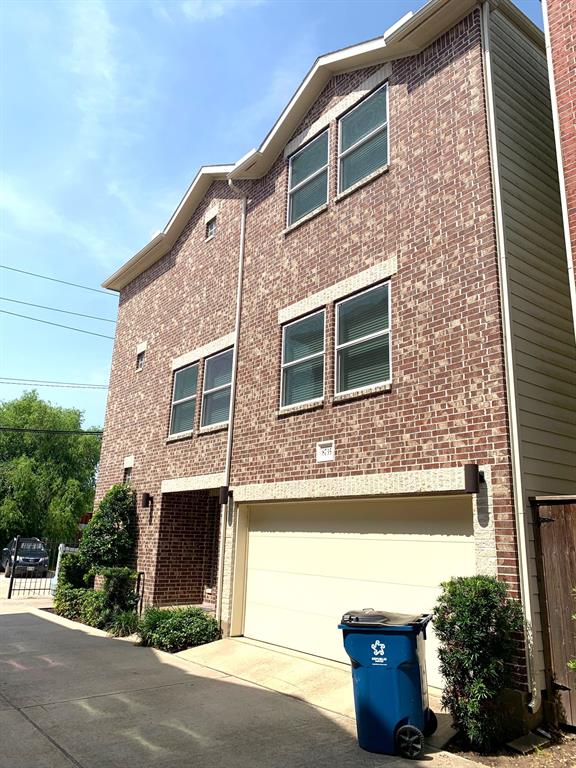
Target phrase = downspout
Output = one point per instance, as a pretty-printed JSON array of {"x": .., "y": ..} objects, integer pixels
[
  {"x": 227, "y": 468},
  {"x": 560, "y": 162},
  {"x": 519, "y": 512}
]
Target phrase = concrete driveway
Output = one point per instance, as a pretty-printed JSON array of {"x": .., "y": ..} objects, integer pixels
[{"x": 71, "y": 696}]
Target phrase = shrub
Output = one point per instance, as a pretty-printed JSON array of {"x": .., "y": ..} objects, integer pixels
[
  {"x": 119, "y": 584},
  {"x": 475, "y": 623},
  {"x": 95, "y": 609},
  {"x": 72, "y": 572},
  {"x": 173, "y": 629},
  {"x": 69, "y": 601},
  {"x": 108, "y": 539},
  {"x": 123, "y": 623}
]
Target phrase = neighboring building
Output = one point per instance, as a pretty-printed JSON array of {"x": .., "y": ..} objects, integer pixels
[
  {"x": 560, "y": 28},
  {"x": 388, "y": 272}
]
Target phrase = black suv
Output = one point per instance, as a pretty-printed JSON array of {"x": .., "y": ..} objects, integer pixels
[{"x": 32, "y": 558}]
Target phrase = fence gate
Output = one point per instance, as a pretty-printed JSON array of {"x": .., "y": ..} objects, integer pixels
[
  {"x": 555, "y": 520},
  {"x": 29, "y": 566}
]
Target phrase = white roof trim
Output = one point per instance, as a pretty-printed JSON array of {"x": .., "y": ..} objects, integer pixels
[{"x": 408, "y": 36}]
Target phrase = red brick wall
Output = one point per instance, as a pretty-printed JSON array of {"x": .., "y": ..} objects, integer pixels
[
  {"x": 433, "y": 211},
  {"x": 562, "y": 24},
  {"x": 183, "y": 301},
  {"x": 187, "y": 562}
]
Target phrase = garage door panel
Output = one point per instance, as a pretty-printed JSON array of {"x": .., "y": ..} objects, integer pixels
[{"x": 309, "y": 563}]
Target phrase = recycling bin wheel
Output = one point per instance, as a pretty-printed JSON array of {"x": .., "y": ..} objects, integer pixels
[
  {"x": 431, "y": 723},
  {"x": 409, "y": 741}
]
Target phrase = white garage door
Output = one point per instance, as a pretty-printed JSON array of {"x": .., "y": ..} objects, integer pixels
[{"x": 308, "y": 563}]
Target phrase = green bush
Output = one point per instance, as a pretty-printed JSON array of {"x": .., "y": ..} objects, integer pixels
[
  {"x": 72, "y": 572},
  {"x": 476, "y": 623},
  {"x": 69, "y": 601},
  {"x": 119, "y": 585},
  {"x": 123, "y": 623},
  {"x": 174, "y": 629},
  {"x": 95, "y": 609},
  {"x": 108, "y": 539}
]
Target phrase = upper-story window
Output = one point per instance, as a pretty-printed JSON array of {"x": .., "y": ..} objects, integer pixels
[
  {"x": 303, "y": 360},
  {"x": 140, "y": 360},
  {"x": 211, "y": 228},
  {"x": 308, "y": 178},
  {"x": 363, "y": 139},
  {"x": 184, "y": 400},
  {"x": 217, "y": 386},
  {"x": 363, "y": 340}
]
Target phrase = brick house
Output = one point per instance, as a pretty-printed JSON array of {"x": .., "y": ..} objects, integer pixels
[
  {"x": 560, "y": 28},
  {"x": 357, "y": 338}
]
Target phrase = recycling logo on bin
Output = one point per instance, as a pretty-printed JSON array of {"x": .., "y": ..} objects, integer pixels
[{"x": 378, "y": 649}]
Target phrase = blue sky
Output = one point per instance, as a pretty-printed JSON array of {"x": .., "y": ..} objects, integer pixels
[{"x": 107, "y": 111}]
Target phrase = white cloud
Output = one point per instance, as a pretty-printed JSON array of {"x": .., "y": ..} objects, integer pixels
[
  {"x": 202, "y": 10},
  {"x": 32, "y": 215}
]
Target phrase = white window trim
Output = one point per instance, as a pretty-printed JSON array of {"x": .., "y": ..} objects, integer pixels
[
  {"x": 206, "y": 225},
  {"x": 384, "y": 126},
  {"x": 377, "y": 334},
  {"x": 210, "y": 391},
  {"x": 284, "y": 365},
  {"x": 182, "y": 400},
  {"x": 305, "y": 181}
]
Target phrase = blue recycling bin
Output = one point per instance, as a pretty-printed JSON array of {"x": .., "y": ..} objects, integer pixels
[{"x": 389, "y": 676}]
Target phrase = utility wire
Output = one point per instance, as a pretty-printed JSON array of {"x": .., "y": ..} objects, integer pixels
[
  {"x": 12, "y": 380},
  {"x": 53, "y": 309},
  {"x": 53, "y": 431},
  {"x": 58, "y": 325},
  {"x": 55, "y": 280}
]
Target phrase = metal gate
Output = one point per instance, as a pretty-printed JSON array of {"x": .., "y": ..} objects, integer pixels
[
  {"x": 555, "y": 520},
  {"x": 29, "y": 565}
]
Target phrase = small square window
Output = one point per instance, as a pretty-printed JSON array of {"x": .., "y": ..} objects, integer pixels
[
  {"x": 210, "y": 228},
  {"x": 363, "y": 340},
  {"x": 303, "y": 360},
  {"x": 308, "y": 179},
  {"x": 363, "y": 140},
  {"x": 127, "y": 480},
  {"x": 140, "y": 360},
  {"x": 184, "y": 400}
]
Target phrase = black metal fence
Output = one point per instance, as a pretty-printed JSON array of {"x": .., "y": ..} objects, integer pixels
[{"x": 31, "y": 566}]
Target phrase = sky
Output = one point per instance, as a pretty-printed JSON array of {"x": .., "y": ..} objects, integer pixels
[{"x": 107, "y": 110}]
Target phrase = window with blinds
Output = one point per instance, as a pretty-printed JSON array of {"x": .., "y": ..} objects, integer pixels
[
  {"x": 363, "y": 139},
  {"x": 217, "y": 387},
  {"x": 184, "y": 400},
  {"x": 363, "y": 340},
  {"x": 303, "y": 360},
  {"x": 308, "y": 178}
]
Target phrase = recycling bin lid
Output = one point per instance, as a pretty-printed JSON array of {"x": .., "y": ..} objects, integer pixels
[{"x": 368, "y": 617}]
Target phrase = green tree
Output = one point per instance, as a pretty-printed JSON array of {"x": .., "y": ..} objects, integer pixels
[
  {"x": 46, "y": 480},
  {"x": 108, "y": 539}
]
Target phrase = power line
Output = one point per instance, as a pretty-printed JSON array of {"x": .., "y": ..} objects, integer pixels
[
  {"x": 55, "y": 280},
  {"x": 53, "y": 431},
  {"x": 42, "y": 382},
  {"x": 54, "y": 309},
  {"x": 58, "y": 325}
]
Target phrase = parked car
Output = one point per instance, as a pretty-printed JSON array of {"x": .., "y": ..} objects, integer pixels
[{"x": 32, "y": 558}]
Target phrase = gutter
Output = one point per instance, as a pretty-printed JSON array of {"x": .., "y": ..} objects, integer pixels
[
  {"x": 519, "y": 513},
  {"x": 224, "y": 492},
  {"x": 561, "y": 176}
]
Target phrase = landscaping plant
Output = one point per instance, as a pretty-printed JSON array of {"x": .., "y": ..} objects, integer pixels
[
  {"x": 174, "y": 629},
  {"x": 108, "y": 539},
  {"x": 477, "y": 625}
]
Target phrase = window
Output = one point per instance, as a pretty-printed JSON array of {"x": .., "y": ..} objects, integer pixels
[
  {"x": 217, "y": 386},
  {"x": 140, "y": 360},
  {"x": 211, "y": 228},
  {"x": 303, "y": 360},
  {"x": 308, "y": 178},
  {"x": 363, "y": 340},
  {"x": 184, "y": 400},
  {"x": 127, "y": 480},
  {"x": 363, "y": 137}
]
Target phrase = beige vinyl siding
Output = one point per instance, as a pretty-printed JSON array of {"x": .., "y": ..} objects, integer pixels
[
  {"x": 542, "y": 335},
  {"x": 543, "y": 347}
]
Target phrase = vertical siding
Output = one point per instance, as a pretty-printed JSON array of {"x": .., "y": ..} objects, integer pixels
[{"x": 539, "y": 296}]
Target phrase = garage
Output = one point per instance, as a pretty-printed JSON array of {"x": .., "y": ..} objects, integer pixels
[{"x": 307, "y": 563}]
